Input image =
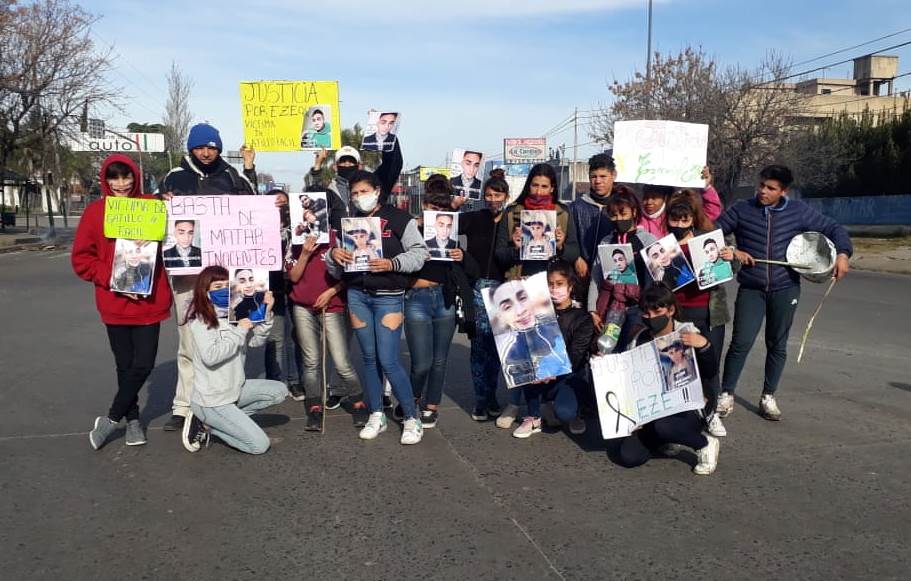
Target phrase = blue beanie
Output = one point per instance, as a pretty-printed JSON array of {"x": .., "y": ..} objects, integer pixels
[{"x": 203, "y": 134}]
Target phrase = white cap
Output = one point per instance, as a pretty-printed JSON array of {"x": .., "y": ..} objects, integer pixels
[{"x": 348, "y": 151}]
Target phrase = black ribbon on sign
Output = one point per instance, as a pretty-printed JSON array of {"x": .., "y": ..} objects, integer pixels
[{"x": 615, "y": 406}]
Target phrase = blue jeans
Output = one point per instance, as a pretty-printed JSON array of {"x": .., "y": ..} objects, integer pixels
[
  {"x": 379, "y": 342},
  {"x": 429, "y": 328},
  {"x": 562, "y": 392},
  {"x": 231, "y": 422}
]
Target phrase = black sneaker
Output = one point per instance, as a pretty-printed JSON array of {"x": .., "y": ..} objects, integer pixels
[
  {"x": 297, "y": 392},
  {"x": 314, "y": 419},
  {"x": 333, "y": 402},
  {"x": 479, "y": 414},
  {"x": 359, "y": 414},
  {"x": 387, "y": 401},
  {"x": 429, "y": 418},
  {"x": 493, "y": 409},
  {"x": 397, "y": 413},
  {"x": 194, "y": 434},
  {"x": 175, "y": 424}
]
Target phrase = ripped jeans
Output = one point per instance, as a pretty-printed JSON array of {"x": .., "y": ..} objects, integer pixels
[{"x": 377, "y": 321}]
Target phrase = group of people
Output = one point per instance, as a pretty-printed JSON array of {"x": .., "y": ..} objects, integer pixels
[{"x": 322, "y": 304}]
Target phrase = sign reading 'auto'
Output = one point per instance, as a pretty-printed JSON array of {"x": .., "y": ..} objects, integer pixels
[{"x": 524, "y": 150}]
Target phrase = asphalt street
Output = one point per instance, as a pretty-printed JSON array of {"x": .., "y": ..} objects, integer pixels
[{"x": 823, "y": 494}]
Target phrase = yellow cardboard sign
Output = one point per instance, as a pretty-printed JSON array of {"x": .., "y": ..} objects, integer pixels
[
  {"x": 134, "y": 218},
  {"x": 290, "y": 115},
  {"x": 425, "y": 172}
]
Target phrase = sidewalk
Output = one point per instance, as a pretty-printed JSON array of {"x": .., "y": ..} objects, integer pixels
[
  {"x": 15, "y": 238},
  {"x": 891, "y": 255}
]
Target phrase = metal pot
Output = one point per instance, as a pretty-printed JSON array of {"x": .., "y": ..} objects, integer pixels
[{"x": 815, "y": 251}]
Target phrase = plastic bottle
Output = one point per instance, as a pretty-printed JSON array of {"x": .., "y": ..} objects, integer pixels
[{"x": 611, "y": 334}]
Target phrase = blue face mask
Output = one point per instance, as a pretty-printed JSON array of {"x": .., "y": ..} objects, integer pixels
[{"x": 219, "y": 298}]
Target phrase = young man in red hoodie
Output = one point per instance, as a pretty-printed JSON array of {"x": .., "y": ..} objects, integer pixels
[{"x": 132, "y": 322}]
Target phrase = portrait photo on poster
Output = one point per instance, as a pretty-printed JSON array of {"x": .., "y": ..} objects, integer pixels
[
  {"x": 381, "y": 130},
  {"x": 363, "y": 238},
  {"x": 309, "y": 217},
  {"x": 441, "y": 232},
  {"x": 247, "y": 294},
  {"x": 678, "y": 362},
  {"x": 316, "y": 132},
  {"x": 618, "y": 264},
  {"x": 465, "y": 169},
  {"x": 539, "y": 240},
  {"x": 526, "y": 332},
  {"x": 182, "y": 248},
  {"x": 133, "y": 267},
  {"x": 710, "y": 268},
  {"x": 666, "y": 263}
]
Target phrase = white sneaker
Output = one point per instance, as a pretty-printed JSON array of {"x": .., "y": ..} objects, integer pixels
[
  {"x": 708, "y": 457},
  {"x": 376, "y": 425},
  {"x": 725, "y": 404},
  {"x": 530, "y": 426},
  {"x": 768, "y": 407},
  {"x": 413, "y": 431},
  {"x": 715, "y": 427},
  {"x": 508, "y": 417}
]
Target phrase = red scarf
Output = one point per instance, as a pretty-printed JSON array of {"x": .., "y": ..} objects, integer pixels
[{"x": 531, "y": 203}]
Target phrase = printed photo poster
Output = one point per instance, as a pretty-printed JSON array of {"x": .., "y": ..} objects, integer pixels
[
  {"x": 134, "y": 266},
  {"x": 528, "y": 338},
  {"x": 309, "y": 217},
  {"x": 539, "y": 241},
  {"x": 618, "y": 264},
  {"x": 229, "y": 231},
  {"x": 710, "y": 268},
  {"x": 381, "y": 130},
  {"x": 363, "y": 238},
  {"x": 666, "y": 263},
  {"x": 665, "y": 153},
  {"x": 182, "y": 248},
  {"x": 465, "y": 171},
  {"x": 290, "y": 115},
  {"x": 247, "y": 294},
  {"x": 646, "y": 383},
  {"x": 441, "y": 232}
]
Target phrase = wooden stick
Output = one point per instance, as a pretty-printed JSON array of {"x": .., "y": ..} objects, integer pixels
[
  {"x": 781, "y": 263},
  {"x": 322, "y": 428},
  {"x": 803, "y": 341}
]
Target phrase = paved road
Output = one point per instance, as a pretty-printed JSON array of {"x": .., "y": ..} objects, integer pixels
[{"x": 823, "y": 494}]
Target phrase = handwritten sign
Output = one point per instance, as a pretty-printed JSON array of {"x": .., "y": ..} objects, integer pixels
[
  {"x": 290, "y": 115},
  {"x": 134, "y": 218},
  {"x": 649, "y": 382},
  {"x": 235, "y": 232},
  {"x": 666, "y": 153}
]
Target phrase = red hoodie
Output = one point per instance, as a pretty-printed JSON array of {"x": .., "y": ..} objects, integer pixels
[{"x": 93, "y": 257}]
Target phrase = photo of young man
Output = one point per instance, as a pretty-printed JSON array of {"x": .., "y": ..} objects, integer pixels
[
  {"x": 467, "y": 184},
  {"x": 439, "y": 228},
  {"x": 383, "y": 137},
  {"x": 317, "y": 132},
  {"x": 184, "y": 254}
]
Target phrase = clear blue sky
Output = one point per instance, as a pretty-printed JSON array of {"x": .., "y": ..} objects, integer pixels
[{"x": 464, "y": 74}]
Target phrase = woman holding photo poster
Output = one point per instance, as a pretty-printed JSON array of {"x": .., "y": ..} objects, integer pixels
[
  {"x": 660, "y": 312},
  {"x": 132, "y": 322},
  {"x": 707, "y": 308},
  {"x": 376, "y": 303}
]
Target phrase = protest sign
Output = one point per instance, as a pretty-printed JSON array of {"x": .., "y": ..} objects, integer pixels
[
  {"x": 667, "y": 153},
  {"x": 666, "y": 263},
  {"x": 464, "y": 168},
  {"x": 234, "y": 232},
  {"x": 710, "y": 268},
  {"x": 380, "y": 133},
  {"x": 617, "y": 263},
  {"x": 134, "y": 218},
  {"x": 290, "y": 115},
  {"x": 425, "y": 172},
  {"x": 309, "y": 217},
  {"x": 539, "y": 240},
  {"x": 363, "y": 238},
  {"x": 524, "y": 150},
  {"x": 646, "y": 383},
  {"x": 134, "y": 264},
  {"x": 247, "y": 294},
  {"x": 524, "y": 324},
  {"x": 441, "y": 231}
]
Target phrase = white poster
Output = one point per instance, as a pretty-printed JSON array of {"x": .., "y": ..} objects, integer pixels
[
  {"x": 134, "y": 266},
  {"x": 465, "y": 169},
  {"x": 247, "y": 294},
  {"x": 665, "y": 262},
  {"x": 539, "y": 236},
  {"x": 710, "y": 268},
  {"x": 381, "y": 131},
  {"x": 309, "y": 217},
  {"x": 363, "y": 238},
  {"x": 665, "y": 153},
  {"x": 441, "y": 232}
]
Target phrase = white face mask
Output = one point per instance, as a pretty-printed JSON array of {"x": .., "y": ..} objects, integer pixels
[
  {"x": 559, "y": 294},
  {"x": 366, "y": 202}
]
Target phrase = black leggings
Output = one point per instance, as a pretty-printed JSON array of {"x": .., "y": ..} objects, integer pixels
[
  {"x": 684, "y": 428},
  {"x": 134, "y": 348}
]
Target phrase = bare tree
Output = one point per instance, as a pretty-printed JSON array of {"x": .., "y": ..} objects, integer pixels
[{"x": 177, "y": 114}]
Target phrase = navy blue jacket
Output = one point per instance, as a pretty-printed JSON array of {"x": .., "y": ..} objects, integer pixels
[{"x": 765, "y": 232}]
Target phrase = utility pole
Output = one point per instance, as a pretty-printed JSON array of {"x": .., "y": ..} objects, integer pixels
[
  {"x": 648, "y": 58},
  {"x": 572, "y": 168}
]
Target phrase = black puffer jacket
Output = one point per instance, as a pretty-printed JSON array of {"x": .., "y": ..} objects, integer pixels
[{"x": 191, "y": 179}]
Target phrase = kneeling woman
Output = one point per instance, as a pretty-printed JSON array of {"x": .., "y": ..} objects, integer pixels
[
  {"x": 659, "y": 307},
  {"x": 223, "y": 398}
]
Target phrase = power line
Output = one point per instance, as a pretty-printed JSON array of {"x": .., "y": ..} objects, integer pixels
[
  {"x": 835, "y": 52},
  {"x": 829, "y": 66}
]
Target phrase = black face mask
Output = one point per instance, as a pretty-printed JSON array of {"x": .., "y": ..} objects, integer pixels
[
  {"x": 623, "y": 225},
  {"x": 679, "y": 232},
  {"x": 346, "y": 172},
  {"x": 657, "y": 324}
]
